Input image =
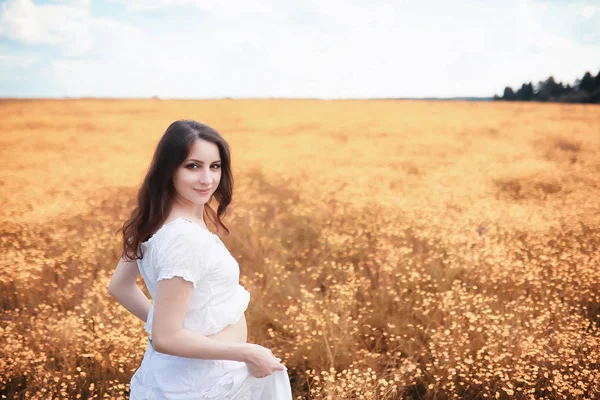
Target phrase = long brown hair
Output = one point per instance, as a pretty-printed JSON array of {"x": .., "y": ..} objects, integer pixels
[{"x": 156, "y": 194}]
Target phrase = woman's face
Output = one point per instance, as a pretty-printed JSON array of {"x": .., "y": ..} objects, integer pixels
[{"x": 200, "y": 171}]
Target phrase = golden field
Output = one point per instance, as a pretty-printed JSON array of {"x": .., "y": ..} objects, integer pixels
[{"x": 393, "y": 249}]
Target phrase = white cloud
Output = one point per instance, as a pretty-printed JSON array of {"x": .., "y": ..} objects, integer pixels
[
  {"x": 543, "y": 51},
  {"x": 131, "y": 62},
  {"x": 64, "y": 24},
  {"x": 10, "y": 62},
  {"x": 214, "y": 7},
  {"x": 589, "y": 11},
  {"x": 354, "y": 52},
  {"x": 269, "y": 48}
]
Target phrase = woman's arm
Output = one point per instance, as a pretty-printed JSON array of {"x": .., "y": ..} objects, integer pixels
[
  {"x": 124, "y": 289},
  {"x": 169, "y": 336}
]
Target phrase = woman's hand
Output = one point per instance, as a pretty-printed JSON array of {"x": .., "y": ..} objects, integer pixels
[{"x": 261, "y": 362}]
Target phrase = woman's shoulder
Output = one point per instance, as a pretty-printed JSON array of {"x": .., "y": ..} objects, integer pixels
[{"x": 181, "y": 232}]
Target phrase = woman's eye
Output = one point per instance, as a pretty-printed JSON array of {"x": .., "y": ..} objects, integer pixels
[{"x": 191, "y": 166}]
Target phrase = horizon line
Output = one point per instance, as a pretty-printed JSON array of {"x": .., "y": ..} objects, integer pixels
[{"x": 469, "y": 98}]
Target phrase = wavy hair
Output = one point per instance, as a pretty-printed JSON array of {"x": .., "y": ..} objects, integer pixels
[{"x": 157, "y": 192}]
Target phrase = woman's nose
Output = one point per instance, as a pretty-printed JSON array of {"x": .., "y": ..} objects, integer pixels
[{"x": 205, "y": 176}]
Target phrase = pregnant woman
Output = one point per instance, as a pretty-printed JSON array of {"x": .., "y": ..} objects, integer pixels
[{"x": 197, "y": 346}]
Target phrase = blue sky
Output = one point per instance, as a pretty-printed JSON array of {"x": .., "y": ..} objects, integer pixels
[{"x": 292, "y": 48}]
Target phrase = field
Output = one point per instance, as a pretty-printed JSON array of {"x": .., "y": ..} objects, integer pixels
[{"x": 393, "y": 249}]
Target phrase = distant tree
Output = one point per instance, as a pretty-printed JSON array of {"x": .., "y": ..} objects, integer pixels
[
  {"x": 559, "y": 90},
  {"x": 508, "y": 95},
  {"x": 548, "y": 90},
  {"x": 587, "y": 83},
  {"x": 595, "y": 94},
  {"x": 536, "y": 91},
  {"x": 584, "y": 90},
  {"x": 596, "y": 89},
  {"x": 575, "y": 97},
  {"x": 525, "y": 93}
]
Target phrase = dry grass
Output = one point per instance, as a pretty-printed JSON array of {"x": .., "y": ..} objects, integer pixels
[{"x": 430, "y": 250}]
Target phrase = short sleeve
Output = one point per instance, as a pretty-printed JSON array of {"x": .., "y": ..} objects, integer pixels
[{"x": 184, "y": 256}]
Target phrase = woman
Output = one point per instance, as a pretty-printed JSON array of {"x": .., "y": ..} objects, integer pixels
[{"x": 197, "y": 345}]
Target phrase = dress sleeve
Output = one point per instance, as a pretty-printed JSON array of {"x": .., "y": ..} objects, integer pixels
[{"x": 183, "y": 256}]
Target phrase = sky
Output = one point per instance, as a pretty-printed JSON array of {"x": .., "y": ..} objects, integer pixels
[{"x": 327, "y": 49}]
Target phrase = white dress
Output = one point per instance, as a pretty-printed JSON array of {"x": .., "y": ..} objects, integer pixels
[{"x": 184, "y": 248}]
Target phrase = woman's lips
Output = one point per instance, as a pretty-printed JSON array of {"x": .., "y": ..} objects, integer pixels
[{"x": 207, "y": 191}]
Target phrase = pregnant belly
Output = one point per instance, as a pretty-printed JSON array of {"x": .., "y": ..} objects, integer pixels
[{"x": 234, "y": 333}]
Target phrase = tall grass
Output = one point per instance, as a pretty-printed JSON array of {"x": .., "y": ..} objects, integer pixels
[{"x": 422, "y": 250}]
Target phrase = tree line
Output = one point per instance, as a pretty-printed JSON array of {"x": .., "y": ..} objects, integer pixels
[{"x": 584, "y": 90}]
